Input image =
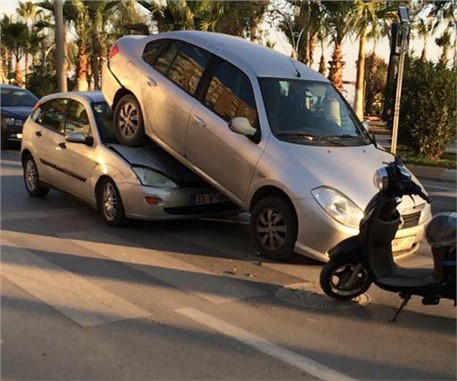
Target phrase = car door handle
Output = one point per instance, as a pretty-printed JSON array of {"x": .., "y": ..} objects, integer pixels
[
  {"x": 151, "y": 82},
  {"x": 62, "y": 145},
  {"x": 200, "y": 122},
  {"x": 38, "y": 133}
]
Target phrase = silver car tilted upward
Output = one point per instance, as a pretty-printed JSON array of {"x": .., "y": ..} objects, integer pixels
[
  {"x": 267, "y": 131},
  {"x": 68, "y": 145}
]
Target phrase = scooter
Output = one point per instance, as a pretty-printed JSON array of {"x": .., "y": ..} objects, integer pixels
[{"x": 367, "y": 258}]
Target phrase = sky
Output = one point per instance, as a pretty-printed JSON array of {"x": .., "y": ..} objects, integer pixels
[{"x": 350, "y": 46}]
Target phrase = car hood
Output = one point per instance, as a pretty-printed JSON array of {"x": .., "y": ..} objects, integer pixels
[
  {"x": 21, "y": 112},
  {"x": 350, "y": 170},
  {"x": 157, "y": 159}
]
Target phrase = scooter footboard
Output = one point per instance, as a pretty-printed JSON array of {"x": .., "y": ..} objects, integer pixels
[{"x": 347, "y": 251}]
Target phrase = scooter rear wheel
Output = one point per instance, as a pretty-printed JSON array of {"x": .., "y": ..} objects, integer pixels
[{"x": 344, "y": 281}]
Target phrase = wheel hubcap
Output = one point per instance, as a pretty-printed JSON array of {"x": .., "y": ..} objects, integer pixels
[
  {"x": 128, "y": 119},
  {"x": 31, "y": 175},
  {"x": 271, "y": 229},
  {"x": 109, "y": 202}
]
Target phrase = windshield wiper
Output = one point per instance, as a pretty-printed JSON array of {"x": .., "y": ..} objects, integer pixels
[
  {"x": 345, "y": 137},
  {"x": 300, "y": 135}
]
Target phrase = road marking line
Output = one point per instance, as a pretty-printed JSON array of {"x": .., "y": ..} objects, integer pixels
[
  {"x": 12, "y": 216},
  {"x": 11, "y": 163},
  {"x": 80, "y": 300},
  {"x": 210, "y": 286},
  {"x": 303, "y": 363}
]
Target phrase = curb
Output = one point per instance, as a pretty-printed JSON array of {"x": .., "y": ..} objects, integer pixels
[{"x": 434, "y": 173}]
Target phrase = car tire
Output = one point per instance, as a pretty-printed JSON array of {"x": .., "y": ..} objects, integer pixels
[
  {"x": 128, "y": 122},
  {"x": 110, "y": 203},
  {"x": 343, "y": 271},
  {"x": 32, "y": 178},
  {"x": 274, "y": 228}
]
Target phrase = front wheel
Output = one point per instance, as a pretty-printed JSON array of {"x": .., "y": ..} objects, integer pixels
[
  {"x": 32, "y": 179},
  {"x": 110, "y": 203},
  {"x": 128, "y": 122},
  {"x": 344, "y": 281},
  {"x": 274, "y": 228}
]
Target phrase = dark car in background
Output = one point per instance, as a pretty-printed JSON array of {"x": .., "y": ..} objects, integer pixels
[{"x": 16, "y": 106}]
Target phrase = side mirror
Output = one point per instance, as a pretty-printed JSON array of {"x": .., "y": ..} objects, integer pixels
[
  {"x": 241, "y": 125},
  {"x": 366, "y": 125},
  {"x": 78, "y": 137}
]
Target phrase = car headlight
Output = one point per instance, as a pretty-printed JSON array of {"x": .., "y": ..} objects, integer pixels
[
  {"x": 14, "y": 122},
  {"x": 152, "y": 178},
  {"x": 338, "y": 206}
]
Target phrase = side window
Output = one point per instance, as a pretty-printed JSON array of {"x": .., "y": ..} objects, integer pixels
[
  {"x": 54, "y": 114},
  {"x": 165, "y": 60},
  {"x": 188, "y": 67},
  {"x": 77, "y": 120},
  {"x": 37, "y": 114},
  {"x": 230, "y": 94},
  {"x": 153, "y": 49}
]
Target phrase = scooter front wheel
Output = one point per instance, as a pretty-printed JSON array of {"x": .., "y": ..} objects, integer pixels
[{"x": 344, "y": 281}]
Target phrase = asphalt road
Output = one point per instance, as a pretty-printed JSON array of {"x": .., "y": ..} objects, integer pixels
[{"x": 191, "y": 300}]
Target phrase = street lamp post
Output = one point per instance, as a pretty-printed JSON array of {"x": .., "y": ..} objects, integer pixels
[{"x": 401, "y": 47}]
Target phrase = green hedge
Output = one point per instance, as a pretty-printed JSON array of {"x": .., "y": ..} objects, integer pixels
[{"x": 428, "y": 108}]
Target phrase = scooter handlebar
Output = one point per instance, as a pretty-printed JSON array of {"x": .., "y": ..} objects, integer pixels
[{"x": 417, "y": 190}]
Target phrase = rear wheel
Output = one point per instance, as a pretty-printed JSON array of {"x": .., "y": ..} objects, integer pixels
[
  {"x": 32, "y": 179},
  {"x": 128, "y": 122},
  {"x": 110, "y": 203},
  {"x": 274, "y": 228},
  {"x": 344, "y": 281}
]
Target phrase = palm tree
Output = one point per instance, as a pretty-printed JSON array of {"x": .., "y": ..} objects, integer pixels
[
  {"x": 302, "y": 28},
  {"x": 337, "y": 16},
  {"x": 15, "y": 37},
  {"x": 444, "y": 42},
  {"x": 28, "y": 11},
  {"x": 76, "y": 12},
  {"x": 61, "y": 69},
  {"x": 322, "y": 66},
  {"x": 366, "y": 21},
  {"x": 425, "y": 29},
  {"x": 5, "y": 63}
]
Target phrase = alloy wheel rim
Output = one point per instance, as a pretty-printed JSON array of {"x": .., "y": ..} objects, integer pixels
[
  {"x": 128, "y": 119},
  {"x": 109, "y": 202},
  {"x": 341, "y": 277},
  {"x": 31, "y": 176},
  {"x": 271, "y": 229}
]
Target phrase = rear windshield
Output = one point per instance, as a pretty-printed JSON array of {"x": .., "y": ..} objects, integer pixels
[
  {"x": 11, "y": 97},
  {"x": 104, "y": 118}
]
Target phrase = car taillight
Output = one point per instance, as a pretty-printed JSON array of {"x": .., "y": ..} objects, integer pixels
[{"x": 114, "y": 51}]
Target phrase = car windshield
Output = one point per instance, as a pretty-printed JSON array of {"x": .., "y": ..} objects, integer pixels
[
  {"x": 309, "y": 112},
  {"x": 11, "y": 97},
  {"x": 104, "y": 119}
]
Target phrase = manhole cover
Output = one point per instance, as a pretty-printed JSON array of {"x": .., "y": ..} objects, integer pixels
[{"x": 311, "y": 295}]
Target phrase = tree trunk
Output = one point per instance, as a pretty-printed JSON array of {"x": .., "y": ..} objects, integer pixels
[
  {"x": 81, "y": 67},
  {"x": 311, "y": 48},
  {"x": 335, "y": 74},
  {"x": 360, "y": 80},
  {"x": 26, "y": 68},
  {"x": 322, "y": 67},
  {"x": 424, "y": 51},
  {"x": 18, "y": 72},
  {"x": 60, "y": 47}
]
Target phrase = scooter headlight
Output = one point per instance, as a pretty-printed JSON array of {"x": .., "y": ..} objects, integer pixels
[
  {"x": 381, "y": 179},
  {"x": 338, "y": 206}
]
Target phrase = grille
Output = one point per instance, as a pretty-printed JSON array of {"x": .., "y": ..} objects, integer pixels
[{"x": 410, "y": 220}]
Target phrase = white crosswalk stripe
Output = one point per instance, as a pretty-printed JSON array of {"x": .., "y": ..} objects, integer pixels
[{"x": 72, "y": 295}]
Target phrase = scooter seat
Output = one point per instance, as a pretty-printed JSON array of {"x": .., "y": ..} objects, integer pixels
[{"x": 401, "y": 277}]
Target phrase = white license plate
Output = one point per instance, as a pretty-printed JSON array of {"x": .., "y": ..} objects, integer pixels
[
  {"x": 402, "y": 244},
  {"x": 209, "y": 198}
]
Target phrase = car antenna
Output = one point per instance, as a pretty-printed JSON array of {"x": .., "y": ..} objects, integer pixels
[{"x": 290, "y": 58}]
